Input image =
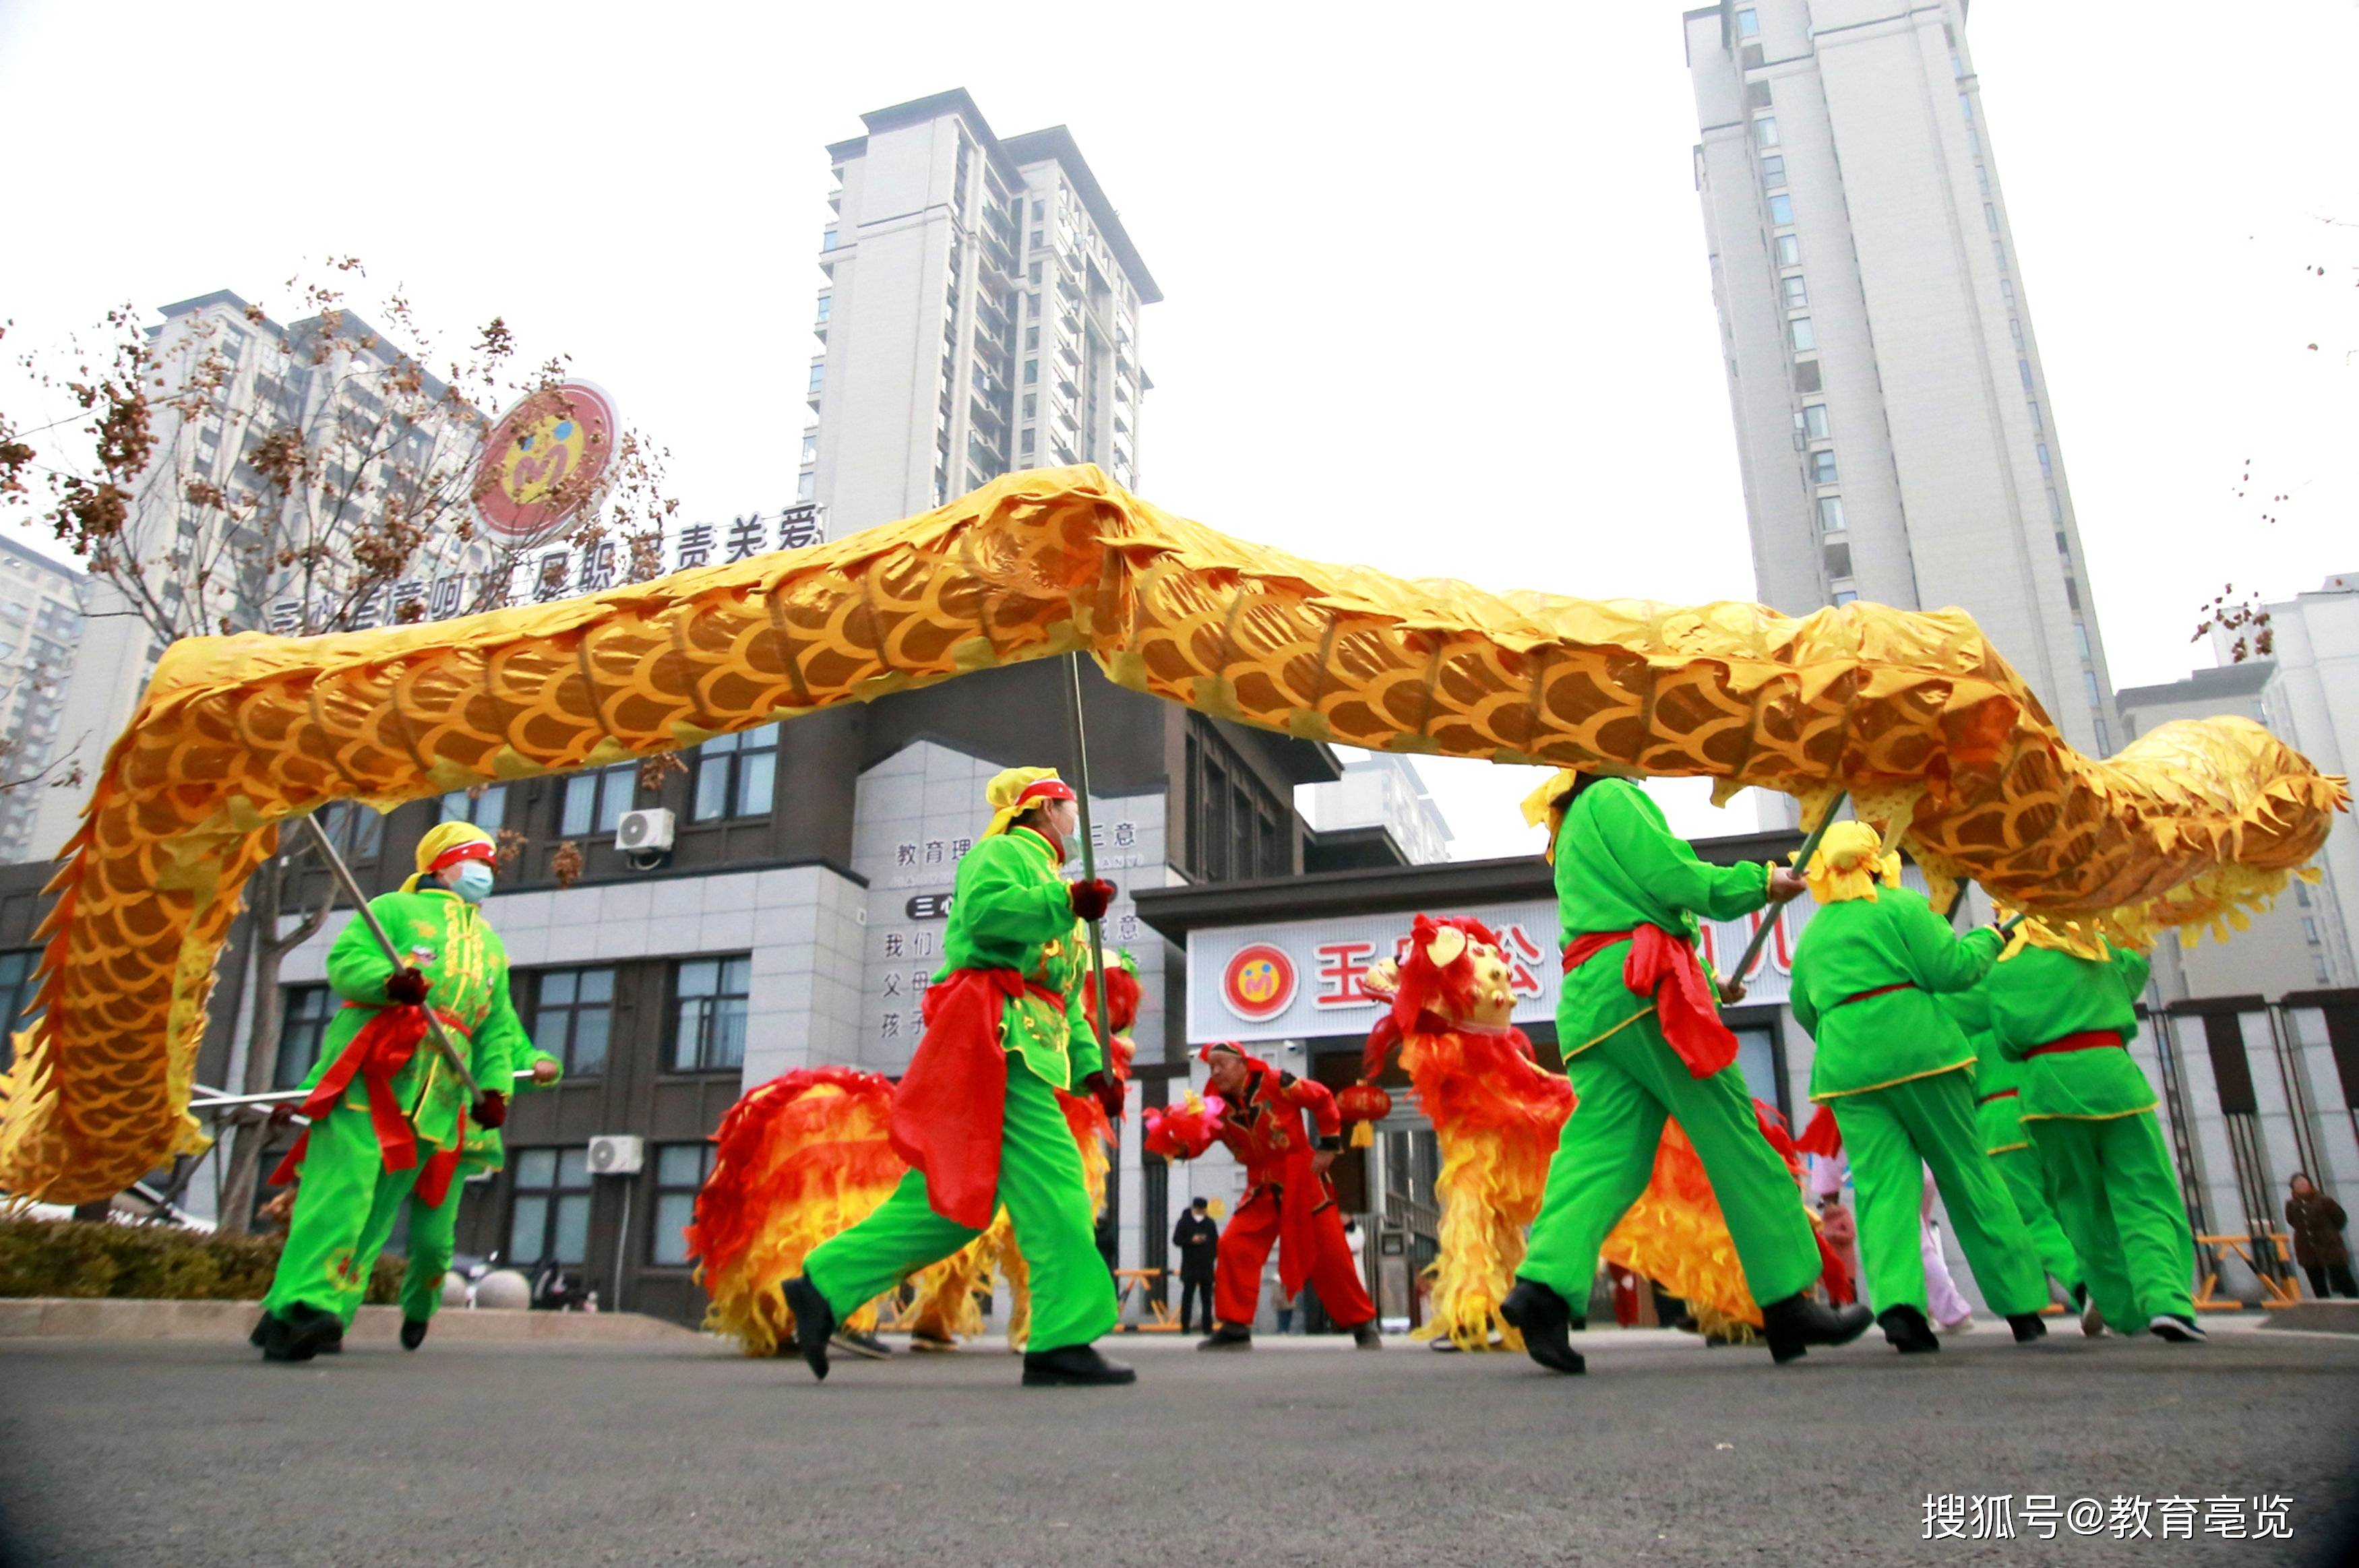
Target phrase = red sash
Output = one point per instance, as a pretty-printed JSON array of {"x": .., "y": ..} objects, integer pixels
[
  {"x": 2087, "y": 1040},
  {"x": 1880, "y": 990},
  {"x": 381, "y": 1049},
  {"x": 1663, "y": 966},
  {"x": 950, "y": 1107},
  {"x": 2002, "y": 1093}
]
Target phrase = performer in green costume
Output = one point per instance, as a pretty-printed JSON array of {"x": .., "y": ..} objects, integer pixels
[
  {"x": 1899, "y": 1075},
  {"x": 1999, "y": 1115},
  {"x": 381, "y": 1099},
  {"x": 2065, "y": 1005},
  {"x": 1642, "y": 1041},
  {"x": 976, "y": 1114}
]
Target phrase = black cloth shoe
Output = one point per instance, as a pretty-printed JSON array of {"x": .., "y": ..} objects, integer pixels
[
  {"x": 1227, "y": 1336},
  {"x": 2178, "y": 1330},
  {"x": 413, "y": 1333},
  {"x": 865, "y": 1345},
  {"x": 2028, "y": 1327},
  {"x": 1544, "y": 1322},
  {"x": 1906, "y": 1327},
  {"x": 1798, "y": 1322},
  {"x": 814, "y": 1322},
  {"x": 1365, "y": 1337},
  {"x": 299, "y": 1334},
  {"x": 1074, "y": 1366}
]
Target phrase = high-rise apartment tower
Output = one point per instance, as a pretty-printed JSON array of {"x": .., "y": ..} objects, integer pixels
[
  {"x": 1893, "y": 424},
  {"x": 981, "y": 316}
]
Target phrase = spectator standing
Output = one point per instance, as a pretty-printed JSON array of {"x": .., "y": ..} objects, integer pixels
[
  {"x": 1199, "y": 1240},
  {"x": 2317, "y": 1222}
]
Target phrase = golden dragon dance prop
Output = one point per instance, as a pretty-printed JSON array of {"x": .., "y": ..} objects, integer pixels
[{"x": 1914, "y": 714}]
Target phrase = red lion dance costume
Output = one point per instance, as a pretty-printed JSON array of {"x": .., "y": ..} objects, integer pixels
[
  {"x": 1498, "y": 1115},
  {"x": 808, "y": 1155}
]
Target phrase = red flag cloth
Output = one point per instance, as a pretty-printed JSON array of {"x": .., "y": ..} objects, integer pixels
[
  {"x": 1821, "y": 1137},
  {"x": 1664, "y": 967},
  {"x": 950, "y": 1107},
  {"x": 381, "y": 1049}
]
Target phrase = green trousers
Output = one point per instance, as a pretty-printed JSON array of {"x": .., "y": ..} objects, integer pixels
[
  {"x": 2026, "y": 1184},
  {"x": 1047, "y": 1201},
  {"x": 2117, "y": 1197},
  {"x": 344, "y": 1210},
  {"x": 1892, "y": 1134},
  {"x": 1626, "y": 1084},
  {"x": 434, "y": 1237}
]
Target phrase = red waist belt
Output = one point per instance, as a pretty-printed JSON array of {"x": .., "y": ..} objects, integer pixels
[
  {"x": 2001, "y": 1094},
  {"x": 1666, "y": 969},
  {"x": 950, "y": 1106},
  {"x": 2087, "y": 1040},
  {"x": 1880, "y": 990},
  {"x": 381, "y": 1049}
]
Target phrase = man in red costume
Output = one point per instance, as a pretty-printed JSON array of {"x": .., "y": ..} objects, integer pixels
[{"x": 1288, "y": 1201}]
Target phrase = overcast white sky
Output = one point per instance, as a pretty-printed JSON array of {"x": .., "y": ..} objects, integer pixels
[{"x": 1434, "y": 279}]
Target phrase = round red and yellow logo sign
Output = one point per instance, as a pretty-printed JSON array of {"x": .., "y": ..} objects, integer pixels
[
  {"x": 544, "y": 463},
  {"x": 1258, "y": 984}
]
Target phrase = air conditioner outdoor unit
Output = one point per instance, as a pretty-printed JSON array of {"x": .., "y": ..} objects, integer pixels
[
  {"x": 617, "y": 1154},
  {"x": 644, "y": 830}
]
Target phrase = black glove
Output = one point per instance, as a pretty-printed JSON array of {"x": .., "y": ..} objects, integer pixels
[
  {"x": 490, "y": 1109},
  {"x": 1108, "y": 1090},
  {"x": 1090, "y": 898},
  {"x": 408, "y": 987},
  {"x": 282, "y": 1115}
]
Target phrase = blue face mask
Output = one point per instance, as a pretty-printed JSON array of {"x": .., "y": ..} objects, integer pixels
[{"x": 475, "y": 882}]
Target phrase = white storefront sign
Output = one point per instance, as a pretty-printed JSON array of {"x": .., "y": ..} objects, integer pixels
[{"x": 1298, "y": 980}]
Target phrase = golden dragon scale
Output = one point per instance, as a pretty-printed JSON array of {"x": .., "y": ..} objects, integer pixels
[{"x": 1914, "y": 714}]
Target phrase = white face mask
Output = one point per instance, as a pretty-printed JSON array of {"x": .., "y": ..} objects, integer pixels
[{"x": 474, "y": 881}]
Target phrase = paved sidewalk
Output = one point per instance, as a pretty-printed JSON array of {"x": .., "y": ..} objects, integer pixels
[{"x": 1301, "y": 1452}]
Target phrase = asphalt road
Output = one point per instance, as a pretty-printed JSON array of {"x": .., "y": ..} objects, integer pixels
[{"x": 1303, "y": 1451}]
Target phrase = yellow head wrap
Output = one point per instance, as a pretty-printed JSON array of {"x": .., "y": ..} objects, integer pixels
[
  {"x": 439, "y": 840},
  {"x": 1004, "y": 794},
  {"x": 1547, "y": 804},
  {"x": 1848, "y": 864}
]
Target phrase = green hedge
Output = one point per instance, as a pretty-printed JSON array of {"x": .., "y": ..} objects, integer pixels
[{"x": 148, "y": 1263}]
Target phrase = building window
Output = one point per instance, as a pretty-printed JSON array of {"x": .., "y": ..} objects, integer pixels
[
  {"x": 357, "y": 830},
  {"x": 574, "y": 1016},
  {"x": 1801, "y": 334},
  {"x": 2105, "y": 739},
  {"x": 2036, "y": 425},
  {"x": 1764, "y": 130},
  {"x": 818, "y": 377},
  {"x": 709, "y": 1014},
  {"x": 2046, "y": 466},
  {"x": 2007, "y": 291},
  {"x": 1749, "y": 23},
  {"x": 2054, "y": 505},
  {"x": 1036, "y": 272},
  {"x": 1822, "y": 468},
  {"x": 16, "y": 991},
  {"x": 1781, "y": 210},
  {"x": 1031, "y": 372},
  {"x": 2015, "y": 328},
  {"x": 826, "y": 302},
  {"x": 1024, "y": 444},
  {"x": 1990, "y": 217},
  {"x": 1966, "y": 107},
  {"x": 1773, "y": 172},
  {"x": 811, "y": 446},
  {"x": 806, "y": 485},
  {"x": 1806, "y": 376},
  {"x": 2023, "y": 369},
  {"x": 2089, "y": 679},
  {"x": 1830, "y": 515},
  {"x": 2309, "y": 929},
  {"x": 1845, "y": 596},
  {"x": 1838, "y": 560},
  {"x": 1790, "y": 250},
  {"x": 736, "y": 775},
  {"x": 1039, "y": 210},
  {"x": 2081, "y": 637},
  {"x": 594, "y": 801},
  {"x": 2301, "y": 892},
  {"x": 826, "y": 240},
  {"x": 680, "y": 1171},
  {"x": 550, "y": 1222},
  {"x": 1031, "y": 404},
  {"x": 487, "y": 806},
  {"x": 1797, "y": 296},
  {"x": 301, "y": 1029},
  {"x": 1814, "y": 421}
]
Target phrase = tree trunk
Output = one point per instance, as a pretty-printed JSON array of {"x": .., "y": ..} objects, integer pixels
[{"x": 270, "y": 949}]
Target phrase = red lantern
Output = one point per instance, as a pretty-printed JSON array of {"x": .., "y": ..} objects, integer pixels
[{"x": 1364, "y": 1102}]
